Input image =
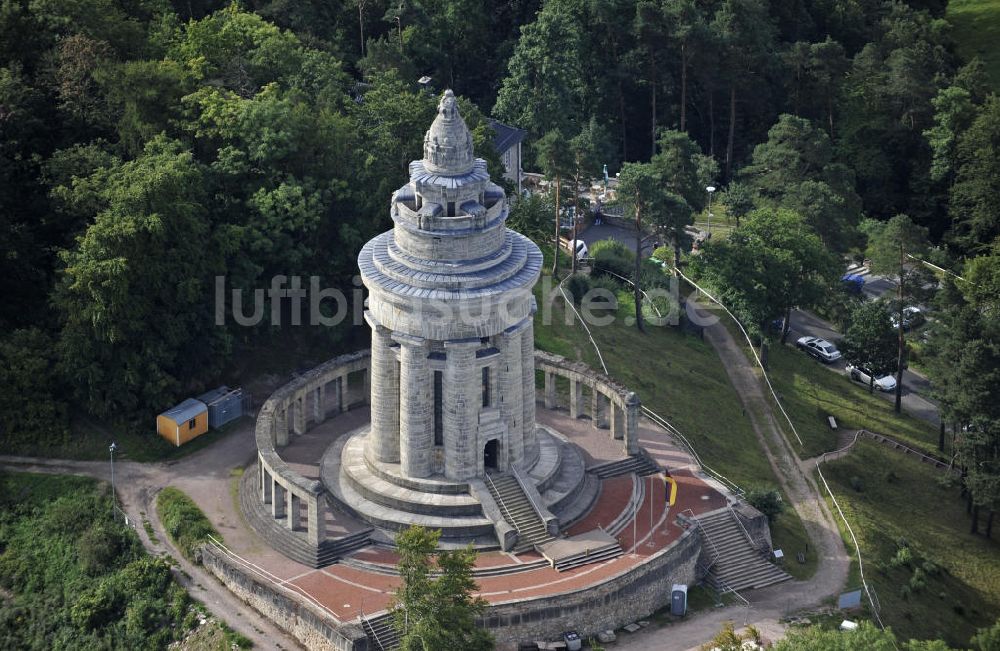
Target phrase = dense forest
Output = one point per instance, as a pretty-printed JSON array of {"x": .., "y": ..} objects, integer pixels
[{"x": 149, "y": 146}]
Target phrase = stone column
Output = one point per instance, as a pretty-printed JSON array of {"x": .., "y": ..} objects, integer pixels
[
  {"x": 293, "y": 510},
  {"x": 550, "y": 390},
  {"x": 265, "y": 482},
  {"x": 281, "y": 425},
  {"x": 575, "y": 398},
  {"x": 460, "y": 409},
  {"x": 632, "y": 410},
  {"x": 315, "y": 525},
  {"x": 597, "y": 408},
  {"x": 416, "y": 436},
  {"x": 511, "y": 387},
  {"x": 383, "y": 440},
  {"x": 319, "y": 403},
  {"x": 299, "y": 413},
  {"x": 528, "y": 391},
  {"x": 277, "y": 500},
  {"x": 616, "y": 417}
]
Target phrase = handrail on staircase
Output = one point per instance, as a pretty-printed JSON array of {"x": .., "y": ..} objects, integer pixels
[
  {"x": 510, "y": 518},
  {"x": 711, "y": 542},
  {"x": 736, "y": 516},
  {"x": 371, "y": 628},
  {"x": 531, "y": 500}
]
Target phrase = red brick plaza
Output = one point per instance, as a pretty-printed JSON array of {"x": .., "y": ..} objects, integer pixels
[{"x": 364, "y": 582}]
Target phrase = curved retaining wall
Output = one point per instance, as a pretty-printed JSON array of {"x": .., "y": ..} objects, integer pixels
[
  {"x": 620, "y": 600},
  {"x": 312, "y": 396}
]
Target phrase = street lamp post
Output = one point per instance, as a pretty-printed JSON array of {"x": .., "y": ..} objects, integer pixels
[
  {"x": 114, "y": 497},
  {"x": 710, "y": 190}
]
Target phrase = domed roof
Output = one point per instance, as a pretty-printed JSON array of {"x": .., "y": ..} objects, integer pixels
[{"x": 448, "y": 143}]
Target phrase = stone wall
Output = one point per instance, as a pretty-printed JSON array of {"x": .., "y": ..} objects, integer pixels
[
  {"x": 632, "y": 595},
  {"x": 756, "y": 525},
  {"x": 303, "y": 621}
]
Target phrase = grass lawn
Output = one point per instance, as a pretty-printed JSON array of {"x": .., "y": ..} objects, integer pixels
[
  {"x": 810, "y": 392},
  {"x": 89, "y": 441},
  {"x": 976, "y": 30},
  {"x": 902, "y": 501},
  {"x": 680, "y": 377}
]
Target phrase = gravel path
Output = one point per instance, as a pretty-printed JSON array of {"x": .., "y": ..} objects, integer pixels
[{"x": 768, "y": 605}]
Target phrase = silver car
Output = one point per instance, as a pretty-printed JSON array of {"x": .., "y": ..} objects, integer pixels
[
  {"x": 860, "y": 374},
  {"x": 821, "y": 349}
]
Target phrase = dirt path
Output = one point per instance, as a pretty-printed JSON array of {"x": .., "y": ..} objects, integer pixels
[
  {"x": 137, "y": 485},
  {"x": 768, "y": 605}
]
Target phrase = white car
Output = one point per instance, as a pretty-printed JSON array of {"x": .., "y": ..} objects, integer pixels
[
  {"x": 911, "y": 317},
  {"x": 821, "y": 349},
  {"x": 581, "y": 250},
  {"x": 860, "y": 374}
]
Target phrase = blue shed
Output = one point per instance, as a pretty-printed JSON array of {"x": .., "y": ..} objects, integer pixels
[{"x": 225, "y": 405}]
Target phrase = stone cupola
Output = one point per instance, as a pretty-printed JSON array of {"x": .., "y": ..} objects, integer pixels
[{"x": 448, "y": 143}]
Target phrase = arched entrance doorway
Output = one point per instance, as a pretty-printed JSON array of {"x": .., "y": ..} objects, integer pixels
[{"x": 491, "y": 455}]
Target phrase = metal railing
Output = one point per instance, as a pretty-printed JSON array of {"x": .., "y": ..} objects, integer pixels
[
  {"x": 531, "y": 500},
  {"x": 503, "y": 506},
  {"x": 365, "y": 621},
  {"x": 736, "y": 516},
  {"x": 662, "y": 422}
]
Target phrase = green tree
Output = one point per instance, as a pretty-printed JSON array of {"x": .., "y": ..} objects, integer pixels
[
  {"x": 953, "y": 113},
  {"x": 738, "y": 199},
  {"x": 975, "y": 195},
  {"x": 769, "y": 265},
  {"x": 688, "y": 31},
  {"x": 870, "y": 341},
  {"x": 729, "y": 640},
  {"x": 814, "y": 638},
  {"x": 135, "y": 319},
  {"x": 745, "y": 32},
  {"x": 587, "y": 149},
  {"x": 436, "y": 613},
  {"x": 556, "y": 158},
  {"x": 796, "y": 169},
  {"x": 545, "y": 84},
  {"x": 891, "y": 247},
  {"x": 641, "y": 189}
]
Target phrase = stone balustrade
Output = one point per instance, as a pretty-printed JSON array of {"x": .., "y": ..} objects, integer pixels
[
  {"x": 612, "y": 405},
  {"x": 306, "y": 400}
]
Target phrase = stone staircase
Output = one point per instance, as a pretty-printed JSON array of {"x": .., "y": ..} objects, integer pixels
[
  {"x": 518, "y": 511},
  {"x": 736, "y": 564},
  {"x": 640, "y": 464},
  {"x": 294, "y": 544},
  {"x": 381, "y": 634}
]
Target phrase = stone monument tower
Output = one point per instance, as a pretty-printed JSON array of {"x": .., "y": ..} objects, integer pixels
[{"x": 450, "y": 308}]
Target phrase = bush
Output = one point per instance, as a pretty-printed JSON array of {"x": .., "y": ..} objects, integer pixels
[
  {"x": 856, "y": 483},
  {"x": 577, "y": 286},
  {"x": 612, "y": 257},
  {"x": 186, "y": 525},
  {"x": 766, "y": 500}
]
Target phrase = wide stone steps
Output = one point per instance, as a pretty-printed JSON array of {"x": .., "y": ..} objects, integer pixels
[
  {"x": 605, "y": 554},
  {"x": 518, "y": 511},
  {"x": 382, "y": 636},
  {"x": 639, "y": 464},
  {"x": 293, "y": 544},
  {"x": 395, "y": 496},
  {"x": 495, "y": 570},
  {"x": 391, "y": 519},
  {"x": 736, "y": 564}
]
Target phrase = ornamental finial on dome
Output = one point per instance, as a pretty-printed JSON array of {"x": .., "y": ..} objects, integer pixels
[{"x": 448, "y": 143}]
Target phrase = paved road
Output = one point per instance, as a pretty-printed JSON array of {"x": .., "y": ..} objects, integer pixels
[{"x": 916, "y": 387}]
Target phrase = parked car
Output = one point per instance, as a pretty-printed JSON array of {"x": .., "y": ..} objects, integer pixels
[
  {"x": 572, "y": 640},
  {"x": 912, "y": 316},
  {"x": 821, "y": 349},
  {"x": 861, "y": 374},
  {"x": 581, "y": 250}
]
